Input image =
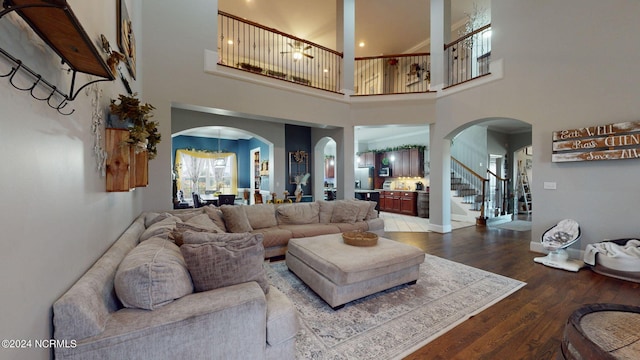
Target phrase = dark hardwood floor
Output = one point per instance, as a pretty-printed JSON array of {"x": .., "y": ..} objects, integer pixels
[{"x": 529, "y": 323}]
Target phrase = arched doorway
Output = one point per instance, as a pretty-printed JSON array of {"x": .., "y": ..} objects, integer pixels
[
  {"x": 483, "y": 170},
  {"x": 325, "y": 169},
  {"x": 250, "y": 156}
]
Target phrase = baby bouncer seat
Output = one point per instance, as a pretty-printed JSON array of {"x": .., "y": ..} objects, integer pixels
[{"x": 556, "y": 240}]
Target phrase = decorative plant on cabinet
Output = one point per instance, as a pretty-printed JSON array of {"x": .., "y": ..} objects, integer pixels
[{"x": 131, "y": 143}]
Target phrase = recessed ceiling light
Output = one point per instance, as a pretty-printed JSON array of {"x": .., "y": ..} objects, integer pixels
[
  {"x": 361, "y": 44},
  {"x": 326, "y": 70},
  {"x": 230, "y": 42}
]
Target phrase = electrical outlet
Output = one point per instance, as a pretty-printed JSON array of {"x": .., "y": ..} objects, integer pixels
[{"x": 549, "y": 185}]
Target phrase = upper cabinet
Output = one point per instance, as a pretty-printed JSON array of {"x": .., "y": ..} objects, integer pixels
[
  {"x": 366, "y": 159},
  {"x": 406, "y": 162}
]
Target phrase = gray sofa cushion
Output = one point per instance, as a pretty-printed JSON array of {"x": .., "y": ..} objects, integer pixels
[
  {"x": 299, "y": 213},
  {"x": 373, "y": 213},
  {"x": 261, "y": 216},
  {"x": 215, "y": 214},
  {"x": 274, "y": 236},
  {"x": 177, "y": 235},
  {"x": 151, "y": 275},
  {"x": 345, "y": 212},
  {"x": 307, "y": 230},
  {"x": 152, "y": 218},
  {"x": 160, "y": 228},
  {"x": 326, "y": 211},
  {"x": 235, "y": 219},
  {"x": 363, "y": 208},
  {"x": 219, "y": 260},
  {"x": 84, "y": 310},
  {"x": 356, "y": 226},
  {"x": 282, "y": 323}
]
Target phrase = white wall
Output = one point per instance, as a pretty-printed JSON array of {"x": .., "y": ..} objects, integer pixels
[
  {"x": 56, "y": 217},
  {"x": 566, "y": 65}
]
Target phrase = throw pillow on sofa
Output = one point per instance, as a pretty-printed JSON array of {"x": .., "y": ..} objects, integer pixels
[
  {"x": 261, "y": 216},
  {"x": 345, "y": 212},
  {"x": 177, "y": 235},
  {"x": 219, "y": 260},
  {"x": 373, "y": 213},
  {"x": 235, "y": 219},
  {"x": 363, "y": 208},
  {"x": 160, "y": 228},
  {"x": 215, "y": 214},
  {"x": 152, "y": 274},
  {"x": 299, "y": 213},
  {"x": 326, "y": 211},
  {"x": 152, "y": 218}
]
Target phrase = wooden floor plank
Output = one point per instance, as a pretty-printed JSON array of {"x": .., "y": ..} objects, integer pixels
[{"x": 529, "y": 323}]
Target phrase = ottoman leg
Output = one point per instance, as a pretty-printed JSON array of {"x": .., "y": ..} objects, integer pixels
[{"x": 338, "y": 307}]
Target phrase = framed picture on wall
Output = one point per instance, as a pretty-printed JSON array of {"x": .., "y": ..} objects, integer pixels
[
  {"x": 126, "y": 37},
  {"x": 298, "y": 164}
]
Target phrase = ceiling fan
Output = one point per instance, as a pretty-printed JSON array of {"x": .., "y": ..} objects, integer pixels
[{"x": 298, "y": 49}]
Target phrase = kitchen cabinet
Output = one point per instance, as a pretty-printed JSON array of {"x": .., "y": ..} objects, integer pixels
[
  {"x": 407, "y": 163},
  {"x": 401, "y": 202},
  {"x": 409, "y": 203},
  {"x": 329, "y": 168},
  {"x": 386, "y": 201},
  {"x": 416, "y": 162},
  {"x": 366, "y": 159}
]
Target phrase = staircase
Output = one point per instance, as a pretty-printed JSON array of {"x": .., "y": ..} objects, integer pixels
[
  {"x": 465, "y": 200},
  {"x": 472, "y": 200}
]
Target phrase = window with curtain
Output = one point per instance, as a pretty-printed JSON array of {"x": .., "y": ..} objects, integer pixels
[{"x": 206, "y": 172}]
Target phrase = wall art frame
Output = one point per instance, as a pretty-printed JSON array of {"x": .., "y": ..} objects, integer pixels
[
  {"x": 298, "y": 164},
  {"x": 126, "y": 37}
]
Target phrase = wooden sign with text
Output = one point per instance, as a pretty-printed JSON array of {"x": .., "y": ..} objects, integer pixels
[{"x": 604, "y": 142}]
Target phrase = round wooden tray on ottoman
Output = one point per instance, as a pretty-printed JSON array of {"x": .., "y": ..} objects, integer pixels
[{"x": 360, "y": 238}]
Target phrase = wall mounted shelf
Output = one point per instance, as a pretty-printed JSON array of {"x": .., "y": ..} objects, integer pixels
[{"x": 56, "y": 24}]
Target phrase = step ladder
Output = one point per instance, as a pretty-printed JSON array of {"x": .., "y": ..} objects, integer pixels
[{"x": 524, "y": 190}]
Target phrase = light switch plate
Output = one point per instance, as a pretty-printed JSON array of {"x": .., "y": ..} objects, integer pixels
[{"x": 550, "y": 185}]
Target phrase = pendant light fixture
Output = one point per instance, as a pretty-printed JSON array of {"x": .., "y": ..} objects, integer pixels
[{"x": 220, "y": 161}]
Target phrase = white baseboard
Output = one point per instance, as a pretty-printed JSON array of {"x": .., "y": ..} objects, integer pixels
[{"x": 442, "y": 229}]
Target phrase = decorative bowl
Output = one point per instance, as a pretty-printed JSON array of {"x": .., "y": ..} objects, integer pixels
[{"x": 360, "y": 238}]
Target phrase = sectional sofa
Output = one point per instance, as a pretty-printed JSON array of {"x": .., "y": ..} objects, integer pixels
[{"x": 192, "y": 284}]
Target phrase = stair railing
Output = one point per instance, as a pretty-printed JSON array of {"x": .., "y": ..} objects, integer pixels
[
  {"x": 499, "y": 195},
  {"x": 471, "y": 181}
]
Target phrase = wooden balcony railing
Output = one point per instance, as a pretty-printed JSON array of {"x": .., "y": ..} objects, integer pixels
[
  {"x": 468, "y": 57},
  {"x": 252, "y": 47},
  {"x": 259, "y": 49},
  {"x": 392, "y": 74}
]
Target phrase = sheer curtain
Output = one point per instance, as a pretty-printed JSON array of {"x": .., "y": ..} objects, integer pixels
[{"x": 206, "y": 172}]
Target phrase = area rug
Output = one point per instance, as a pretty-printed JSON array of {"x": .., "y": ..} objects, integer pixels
[
  {"x": 517, "y": 225},
  {"x": 396, "y": 322}
]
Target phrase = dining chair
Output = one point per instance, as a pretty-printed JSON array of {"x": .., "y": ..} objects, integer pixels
[
  {"x": 226, "y": 199},
  {"x": 257, "y": 197},
  {"x": 196, "y": 200}
]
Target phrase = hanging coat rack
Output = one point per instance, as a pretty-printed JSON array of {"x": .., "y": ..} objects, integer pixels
[{"x": 58, "y": 27}]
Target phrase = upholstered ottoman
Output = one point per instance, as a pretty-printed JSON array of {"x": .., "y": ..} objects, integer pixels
[{"x": 340, "y": 273}]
